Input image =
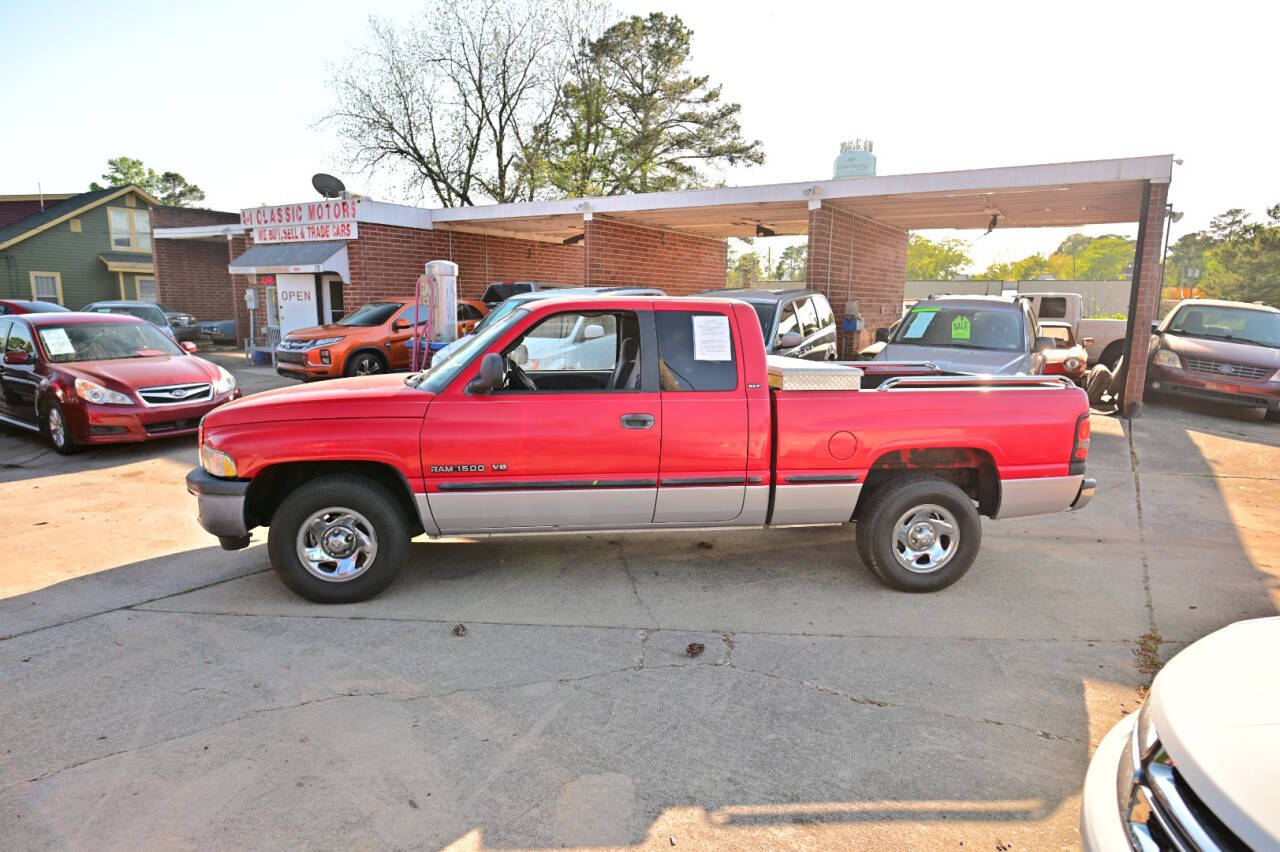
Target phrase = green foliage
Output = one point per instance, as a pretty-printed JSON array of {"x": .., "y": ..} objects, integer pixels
[
  {"x": 1243, "y": 261},
  {"x": 169, "y": 188},
  {"x": 638, "y": 121},
  {"x": 1078, "y": 257},
  {"x": 928, "y": 260},
  {"x": 793, "y": 264},
  {"x": 744, "y": 270}
]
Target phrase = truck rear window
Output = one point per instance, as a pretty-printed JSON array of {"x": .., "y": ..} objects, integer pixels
[
  {"x": 1053, "y": 307},
  {"x": 695, "y": 352}
]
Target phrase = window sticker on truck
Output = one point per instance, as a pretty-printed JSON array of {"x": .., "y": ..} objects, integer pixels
[
  {"x": 960, "y": 327},
  {"x": 711, "y": 338},
  {"x": 920, "y": 320}
]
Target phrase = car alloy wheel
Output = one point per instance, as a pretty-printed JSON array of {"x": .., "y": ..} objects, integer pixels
[
  {"x": 57, "y": 427},
  {"x": 337, "y": 544},
  {"x": 925, "y": 538},
  {"x": 367, "y": 365}
]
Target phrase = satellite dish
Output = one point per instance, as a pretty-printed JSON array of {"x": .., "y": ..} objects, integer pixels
[{"x": 327, "y": 185}]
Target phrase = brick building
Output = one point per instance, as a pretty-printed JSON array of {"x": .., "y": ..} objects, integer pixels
[{"x": 856, "y": 228}]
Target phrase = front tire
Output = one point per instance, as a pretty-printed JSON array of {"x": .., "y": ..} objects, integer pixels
[
  {"x": 365, "y": 364},
  {"x": 338, "y": 539},
  {"x": 1096, "y": 384},
  {"x": 56, "y": 427},
  {"x": 921, "y": 533},
  {"x": 1273, "y": 415}
]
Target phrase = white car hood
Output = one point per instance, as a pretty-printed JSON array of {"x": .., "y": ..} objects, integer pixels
[
  {"x": 956, "y": 359},
  {"x": 1216, "y": 709}
]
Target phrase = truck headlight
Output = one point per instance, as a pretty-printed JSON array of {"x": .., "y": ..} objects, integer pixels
[
  {"x": 217, "y": 463},
  {"x": 1165, "y": 358},
  {"x": 225, "y": 382},
  {"x": 97, "y": 394}
]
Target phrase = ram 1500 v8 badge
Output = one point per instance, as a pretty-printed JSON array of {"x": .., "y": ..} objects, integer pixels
[{"x": 687, "y": 424}]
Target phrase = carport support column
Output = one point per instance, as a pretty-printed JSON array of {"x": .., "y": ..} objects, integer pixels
[
  {"x": 1144, "y": 296},
  {"x": 854, "y": 258}
]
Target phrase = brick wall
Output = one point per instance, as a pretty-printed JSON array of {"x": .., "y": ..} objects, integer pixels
[
  {"x": 386, "y": 260},
  {"x": 191, "y": 275},
  {"x": 855, "y": 258},
  {"x": 1147, "y": 274},
  {"x": 619, "y": 254}
]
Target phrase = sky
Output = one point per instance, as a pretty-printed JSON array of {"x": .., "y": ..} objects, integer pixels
[{"x": 229, "y": 93}]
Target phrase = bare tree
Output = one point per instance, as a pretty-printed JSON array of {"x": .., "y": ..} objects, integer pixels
[{"x": 464, "y": 102}]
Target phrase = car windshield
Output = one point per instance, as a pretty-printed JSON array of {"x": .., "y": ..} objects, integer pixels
[
  {"x": 962, "y": 328},
  {"x": 1061, "y": 335},
  {"x": 502, "y": 292},
  {"x": 104, "y": 341},
  {"x": 42, "y": 307},
  {"x": 443, "y": 372},
  {"x": 1241, "y": 325},
  {"x": 146, "y": 312},
  {"x": 764, "y": 312},
  {"x": 374, "y": 313}
]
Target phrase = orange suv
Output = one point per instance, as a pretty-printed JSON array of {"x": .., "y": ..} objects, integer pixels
[{"x": 368, "y": 340}]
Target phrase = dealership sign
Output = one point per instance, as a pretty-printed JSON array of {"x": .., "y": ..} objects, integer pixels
[{"x": 330, "y": 219}]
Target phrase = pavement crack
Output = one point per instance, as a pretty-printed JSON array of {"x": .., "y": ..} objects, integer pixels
[
  {"x": 1142, "y": 539},
  {"x": 635, "y": 584}
]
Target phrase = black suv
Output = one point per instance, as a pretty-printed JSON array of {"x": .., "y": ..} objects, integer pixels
[{"x": 796, "y": 323}]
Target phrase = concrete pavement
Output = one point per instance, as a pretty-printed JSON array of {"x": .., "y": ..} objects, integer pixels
[{"x": 159, "y": 691}]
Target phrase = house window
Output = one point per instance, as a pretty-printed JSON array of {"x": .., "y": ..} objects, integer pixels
[
  {"x": 146, "y": 290},
  {"x": 46, "y": 287},
  {"x": 75, "y": 226},
  {"x": 130, "y": 229}
]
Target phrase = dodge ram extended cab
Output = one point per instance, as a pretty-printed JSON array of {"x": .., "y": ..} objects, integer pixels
[{"x": 691, "y": 425}]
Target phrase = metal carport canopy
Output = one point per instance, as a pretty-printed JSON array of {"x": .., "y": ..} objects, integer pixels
[{"x": 1052, "y": 195}]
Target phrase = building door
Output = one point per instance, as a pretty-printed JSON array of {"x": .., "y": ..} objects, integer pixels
[
  {"x": 297, "y": 297},
  {"x": 334, "y": 307}
]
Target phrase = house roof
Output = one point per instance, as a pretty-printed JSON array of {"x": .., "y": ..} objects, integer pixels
[{"x": 29, "y": 226}]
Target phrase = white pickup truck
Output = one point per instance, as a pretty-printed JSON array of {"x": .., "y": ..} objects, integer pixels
[{"x": 1103, "y": 339}]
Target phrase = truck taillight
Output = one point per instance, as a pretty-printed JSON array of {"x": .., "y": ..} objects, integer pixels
[{"x": 1080, "y": 450}]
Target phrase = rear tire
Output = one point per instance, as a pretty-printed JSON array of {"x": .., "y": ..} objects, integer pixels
[
  {"x": 364, "y": 364},
  {"x": 1273, "y": 415},
  {"x": 338, "y": 539},
  {"x": 920, "y": 534}
]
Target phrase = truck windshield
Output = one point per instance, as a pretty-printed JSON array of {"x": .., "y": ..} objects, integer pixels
[
  {"x": 442, "y": 373},
  {"x": 1215, "y": 322},
  {"x": 962, "y": 328}
]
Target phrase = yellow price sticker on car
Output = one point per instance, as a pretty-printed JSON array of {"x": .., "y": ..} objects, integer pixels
[{"x": 960, "y": 327}]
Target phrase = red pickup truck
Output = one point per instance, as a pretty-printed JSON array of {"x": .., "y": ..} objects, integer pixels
[{"x": 662, "y": 413}]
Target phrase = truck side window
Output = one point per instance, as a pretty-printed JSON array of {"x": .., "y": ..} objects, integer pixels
[
  {"x": 687, "y": 364},
  {"x": 1053, "y": 307},
  {"x": 789, "y": 322},
  {"x": 808, "y": 317},
  {"x": 826, "y": 319},
  {"x": 579, "y": 352}
]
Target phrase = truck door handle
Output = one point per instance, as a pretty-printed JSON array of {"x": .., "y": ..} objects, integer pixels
[{"x": 636, "y": 421}]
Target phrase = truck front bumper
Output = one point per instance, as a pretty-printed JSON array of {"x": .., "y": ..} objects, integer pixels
[{"x": 221, "y": 507}]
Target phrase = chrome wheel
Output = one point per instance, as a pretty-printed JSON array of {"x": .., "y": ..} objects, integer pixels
[
  {"x": 925, "y": 538},
  {"x": 337, "y": 544},
  {"x": 367, "y": 366},
  {"x": 57, "y": 428}
]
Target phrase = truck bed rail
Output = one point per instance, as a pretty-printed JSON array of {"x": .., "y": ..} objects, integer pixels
[{"x": 977, "y": 381}]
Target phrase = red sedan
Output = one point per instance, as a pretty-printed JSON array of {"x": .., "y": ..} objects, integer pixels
[{"x": 103, "y": 379}]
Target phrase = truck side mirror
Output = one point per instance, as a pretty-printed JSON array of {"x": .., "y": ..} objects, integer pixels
[
  {"x": 789, "y": 340},
  {"x": 492, "y": 375},
  {"x": 189, "y": 347},
  {"x": 1155, "y": 328},
  {"x": 1044, "y": 344},
  {"x": 882, "y": 335}
]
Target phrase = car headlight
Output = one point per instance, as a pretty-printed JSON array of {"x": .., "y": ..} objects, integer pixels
[
  {"x": 97, "y": 394},
  {"x": 225, "y": 382},
  {"x": 326, "y": 341},
  {"x": 1275, "y": 377},
  {"x": 1165, "y": 358},
  {"x": 217, "y": 463},
  {"x": 1072, "y": 364}
]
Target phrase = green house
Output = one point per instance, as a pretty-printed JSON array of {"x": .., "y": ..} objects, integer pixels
[{"x": 77, "y": 249}]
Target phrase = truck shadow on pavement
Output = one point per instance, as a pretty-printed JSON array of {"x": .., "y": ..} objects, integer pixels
[{"x": 752, "y": 688}]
